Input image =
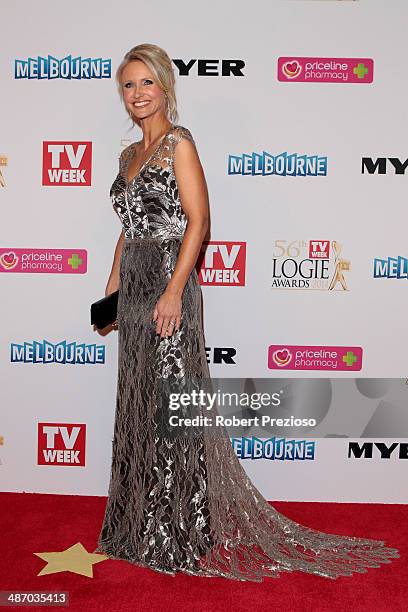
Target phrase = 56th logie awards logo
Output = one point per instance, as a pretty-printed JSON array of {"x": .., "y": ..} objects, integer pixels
[{"x": 309, "y": 264}]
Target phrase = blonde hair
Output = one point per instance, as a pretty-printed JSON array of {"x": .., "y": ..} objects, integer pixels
[{"x": 159, "y": 63}]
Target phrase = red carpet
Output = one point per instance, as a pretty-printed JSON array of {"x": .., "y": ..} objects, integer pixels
[{"x": 43, "y": 523}]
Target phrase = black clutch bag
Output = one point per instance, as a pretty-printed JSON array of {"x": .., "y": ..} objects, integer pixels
[{"x": 105, "y": 310}]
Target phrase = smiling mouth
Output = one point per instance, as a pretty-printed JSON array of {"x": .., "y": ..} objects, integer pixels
[{"x": 141, "y": 104}]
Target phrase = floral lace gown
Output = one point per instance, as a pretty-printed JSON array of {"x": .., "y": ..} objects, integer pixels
[{"x": 186, "y": 504}]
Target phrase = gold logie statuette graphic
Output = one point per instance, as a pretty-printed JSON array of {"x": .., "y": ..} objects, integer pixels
[
  {"x": 340, "y": 265},
  {"x": 3, "y": 162}
]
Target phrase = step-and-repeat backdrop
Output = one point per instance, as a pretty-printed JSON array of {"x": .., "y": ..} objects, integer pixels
[{"x": 297, "y": 109}]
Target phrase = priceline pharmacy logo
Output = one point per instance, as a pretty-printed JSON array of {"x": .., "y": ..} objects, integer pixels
[
  {"x": 66, "y": 68},
  {"x": 325, "y": 69},
  {"x": 287, "y": 357},
  {"x": 50, "y": 261}
]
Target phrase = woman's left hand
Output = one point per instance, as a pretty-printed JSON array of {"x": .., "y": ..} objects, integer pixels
[{"x": 167, "y": 313}]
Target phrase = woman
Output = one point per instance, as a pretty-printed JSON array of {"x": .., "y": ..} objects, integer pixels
[{"x": 183, "y": 503}]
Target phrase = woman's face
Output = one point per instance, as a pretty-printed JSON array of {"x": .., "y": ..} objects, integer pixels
[{"x": 142, "y": 95}]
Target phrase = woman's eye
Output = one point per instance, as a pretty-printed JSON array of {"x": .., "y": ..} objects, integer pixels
[{"x": 145, "y": 82}]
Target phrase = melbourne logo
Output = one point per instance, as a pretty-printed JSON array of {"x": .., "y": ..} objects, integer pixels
[
  {"x": 290, "y": 357},
  {"x": 223, "y": 263},
  {"x": 61, "y": 444},
  {"x": 383, "y": 165},
  {"x": 392, "y": 267},
  {"x": 325, "y": 69},
  {"x": 67, "y": 68},
  {"x": 67, "y": 163},
  {"x": 275, "y": 449},
  {"x": 49, "y": 261},
  {"x": 284, "y": 164},
  {"x": 309, "y": 264},
  {"x": 61, "y": 352}
]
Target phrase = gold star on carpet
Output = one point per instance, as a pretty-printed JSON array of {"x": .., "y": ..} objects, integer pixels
[{"x": 75, "y": 559}]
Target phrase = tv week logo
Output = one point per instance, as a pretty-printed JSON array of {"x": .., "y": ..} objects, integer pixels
[
  {"x": 223, "y": 263},
  {"x": 67, "y": 163},
  {"x": 61, "y": 444},
  {"x": 319, "y": 249}
]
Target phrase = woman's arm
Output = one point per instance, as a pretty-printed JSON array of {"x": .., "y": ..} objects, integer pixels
[
  {"x": 194, "y": 201},
  {"x": 113, "y": 281}
]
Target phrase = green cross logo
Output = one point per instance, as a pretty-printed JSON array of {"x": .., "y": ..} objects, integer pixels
[
  {"x": 349, "y": 358},
  {"x": 360, "y": 70},
  {"x": 74, "y": 261}
]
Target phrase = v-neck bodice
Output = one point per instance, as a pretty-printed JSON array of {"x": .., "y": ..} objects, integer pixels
[
  {"x": 149, "y": 204},
  {"x": 155, "y": 152}
]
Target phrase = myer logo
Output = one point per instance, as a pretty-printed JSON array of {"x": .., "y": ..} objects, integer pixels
[
  {"x": 67, "y": 163},
  {"x": 210, "y": 67},
  {"x": 383, "y": 165},
  {"x": 366, "y": 450},
  {"x": 223, "y": 263},
  {"x": 218, "y": 354},
  {"x": 61, "y": 444}
]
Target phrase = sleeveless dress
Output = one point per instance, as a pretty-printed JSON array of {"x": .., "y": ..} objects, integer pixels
[{"x": 186, "y": 504}]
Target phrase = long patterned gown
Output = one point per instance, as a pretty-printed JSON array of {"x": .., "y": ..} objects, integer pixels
[{"x": 186, "y": 504}]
